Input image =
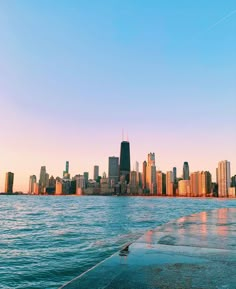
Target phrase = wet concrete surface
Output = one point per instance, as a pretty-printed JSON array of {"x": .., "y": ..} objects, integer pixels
[{"x": 197, "y": 251}]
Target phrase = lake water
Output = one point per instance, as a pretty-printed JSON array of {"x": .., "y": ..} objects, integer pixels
[{"x": 46, "y": 241}]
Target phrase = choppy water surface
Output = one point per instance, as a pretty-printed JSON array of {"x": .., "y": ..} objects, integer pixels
[{"x": 46, "y": 241}]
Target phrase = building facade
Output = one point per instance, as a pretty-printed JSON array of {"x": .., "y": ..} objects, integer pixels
[
  {"x": 95, "y": 172},
  {"x": 32, "y": 181},
  {"x": 125, "y": 160},
  {"x": 186, "y": 171},
  {"x": 151, "y": 182},
  {"x": 9, "y": 181},
  {"x": 223, "y": 178},
  {"x": 113, "y": 171}
]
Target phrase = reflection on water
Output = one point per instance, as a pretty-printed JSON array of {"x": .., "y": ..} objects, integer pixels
[{"x": 47, "y": 241}]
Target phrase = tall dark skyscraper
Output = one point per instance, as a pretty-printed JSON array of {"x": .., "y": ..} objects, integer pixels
[
  {"x": 125, "y": 160},
  {"x": 186, "y": 171},
  {"x": 174, "y": 175}
]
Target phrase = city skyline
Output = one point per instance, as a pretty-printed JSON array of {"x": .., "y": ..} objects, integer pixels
[
  {"x": 75, "y": 73},
  {"x": 45, "y": 174}
]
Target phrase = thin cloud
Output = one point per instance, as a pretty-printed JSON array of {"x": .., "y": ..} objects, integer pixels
[{"x": 222, "y": 19}]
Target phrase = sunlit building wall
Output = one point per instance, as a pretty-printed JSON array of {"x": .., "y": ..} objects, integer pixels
[
  {"x": 161, "y": 183},
  {"x": 196, "y": 184},
  {"x": 169, "y": 183},
  {"x": 151, "y": 174},
  {"x": 36, "y": 189},
  {"x": 206, "y": 182},
  {"x": 184, "y": 188},
  {"x": 59, "y": 188},
  {"x": 223, "y": 178},
  {"x": 232, "y": 192}
]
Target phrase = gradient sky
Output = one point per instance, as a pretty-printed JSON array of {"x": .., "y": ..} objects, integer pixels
[{"x": 73, "y": 74}]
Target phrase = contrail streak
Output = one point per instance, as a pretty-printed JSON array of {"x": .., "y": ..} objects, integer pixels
[{"x": 222, "y": 19}]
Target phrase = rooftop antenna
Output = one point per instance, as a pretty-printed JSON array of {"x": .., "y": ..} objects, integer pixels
[
  {"x": 127, "y": 137},
  {"x": 122, "y": 134}
]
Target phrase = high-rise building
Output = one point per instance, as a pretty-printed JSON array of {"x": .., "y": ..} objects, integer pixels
[
  {"x": 66, "y": 174},
  {"x": 186, "y": 171},
  {"x": 52, "y": 182},
  {"x": 184, "y": 188},
  {"x": 137, "y": 172},
  {"x": 9, "y": 183},
  {"x": 125, "y": 160},
  {"x": 36, "y": 189},
  {"x": 95, "y": 172},
  {"x": 161, "y": 183},
  {"x": 206, "y": 184},
  {"x": 86, "y": 178},
  {"x": 174, "y": 175},
  {"x": 59, "y": 187},
  {"x": 133, "y": 184},
  {"x": 169, "y": 183},
  {"x": 113, "y": 171},
  {"x": 151, "y": 174},
  {"x": 44, "y": 178},
  {"x": 32, "y": 181},
  {"x": 233, "y": 181},
  {"x": 223, "y": 178},
  {"x": 200, "y": 183},
  {"x": 144, "y": 175},
  {"x": 80, "y": 184},
  {"x": 195, "y": 184}
]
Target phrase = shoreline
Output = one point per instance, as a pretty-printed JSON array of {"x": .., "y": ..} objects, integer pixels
[{"x": 104, "y": 195}]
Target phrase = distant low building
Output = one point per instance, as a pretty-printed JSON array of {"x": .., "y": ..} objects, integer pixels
[{"x": 232, "y": 192}]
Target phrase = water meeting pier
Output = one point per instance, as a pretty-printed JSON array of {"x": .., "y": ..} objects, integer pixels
[{"x": 196, "y": 251}]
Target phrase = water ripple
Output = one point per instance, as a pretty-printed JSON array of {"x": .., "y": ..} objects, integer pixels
[{"x": 47, "y": 241}]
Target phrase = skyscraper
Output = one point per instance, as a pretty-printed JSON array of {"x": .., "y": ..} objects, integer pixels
[
  {"x": 9, "y": 183},
  {"x": 200, "y": 183},
  {"x": 113, "y": 171},
  {"x": 186, "y": 171},
  {"x": 125, "y": 160},
  {"x": 86, "y": 178},
  {"x": 174, "y": 175},
  {"x": 184, "y": 188},
  {"x": 169, "y": 183},
  {"x": 161, "y": 183},
  {"x": 95, "y": 172},
  {"x": 66, "y": 174},
  {"x": 151, "y": 174},
  {"x": 195, "y": 184},
  {"x": 144, "y": 175},
  {"x": 43, "y": 180},
  {"x": 32, "y": 181},
  {"x": 223, "y": 178},
  {"x": 133, "y": 185}
]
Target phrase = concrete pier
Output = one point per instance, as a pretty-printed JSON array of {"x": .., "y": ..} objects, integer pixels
[{"x": 197, "y": 251}]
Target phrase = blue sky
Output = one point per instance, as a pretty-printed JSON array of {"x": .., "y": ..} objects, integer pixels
[{"x": 74, "y": 73}]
